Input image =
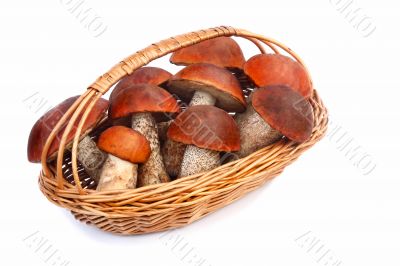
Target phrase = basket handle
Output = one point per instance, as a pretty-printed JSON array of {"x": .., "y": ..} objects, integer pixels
[{"x": 126, "y": 67}]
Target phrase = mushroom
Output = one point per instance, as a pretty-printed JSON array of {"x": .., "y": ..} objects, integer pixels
[
  {"x": 221, "y": 51},
  {"x": 139, "y": 102},
  {"x": 274, "y": 111},
  {"x": 206, "y": 130},
  {"x": 126, "y": 148},
  {"x": 211, "y": 85},
  {"x": 146, "y": 75},
  {"x": 276, "y": 69},
  {"x": 204, "y": 84},
  {"x": 89, "y": 155}
]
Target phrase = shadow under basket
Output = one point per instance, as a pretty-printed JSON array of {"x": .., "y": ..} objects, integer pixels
[{"x": 180, "y": 202}]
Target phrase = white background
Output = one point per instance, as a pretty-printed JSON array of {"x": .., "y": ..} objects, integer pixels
[{"x": 325, "y": 196}]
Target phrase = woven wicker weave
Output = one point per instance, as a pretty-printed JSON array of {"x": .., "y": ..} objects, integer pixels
[{"x": 180, "y": 202}]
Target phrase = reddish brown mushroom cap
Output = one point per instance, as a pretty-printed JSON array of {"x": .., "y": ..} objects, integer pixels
[
  {"x": 217, "y": 81},
  {"x": 125, "y": 143},
  {"x": 285, "y": 110},
  {"x": 148, "y": 75},
  {"x": 220, "y": 51},
  {"x": 275, "y": 69},
  {"x": 42, "y": 128},
  {"x": 142, "y": 98},
  {"x": 206, "y": 127}
]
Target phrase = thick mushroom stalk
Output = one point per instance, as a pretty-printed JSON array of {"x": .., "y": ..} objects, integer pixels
[
  {"x": 254, "y": 131},
  {"x": 126, "y": 148},
  {"x": 202, "y": 98},
  {"x": 91, "y": 157},
  {"x": 172, "y": 153},
  {"x": 117, "y": 174},
  {"x": 198, "y": 160},
  {"x": 274, "y": 111},
  {"x": 162, "y": 128},
  {"x": 152, "y": 171}
]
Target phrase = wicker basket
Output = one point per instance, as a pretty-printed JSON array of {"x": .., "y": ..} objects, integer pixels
[{"x": 180, "y": 202}]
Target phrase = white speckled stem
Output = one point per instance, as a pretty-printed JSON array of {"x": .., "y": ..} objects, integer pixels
[
  {"x": 152, "y": 171},
  {"x": 198, "y": 160},
  {"x": 202, "y": 98},
  {"x": 91, "y": 157},
  {"x": 255, "y": 133},
  {"x": 117, "y": 174}
]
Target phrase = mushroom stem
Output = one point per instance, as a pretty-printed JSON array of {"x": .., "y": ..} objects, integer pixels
[
  {"x": 255, "y": 133},
  {"x": 117, "y": 174},
  {"x": 197, "y": 160},
  {"x": 91, "y": 157},
  {"x": 152, "y": 171},
  {"x": 173, "y": 152},
  {"x": 162, "y": 128},
  {"x": 202, "y": 98}
]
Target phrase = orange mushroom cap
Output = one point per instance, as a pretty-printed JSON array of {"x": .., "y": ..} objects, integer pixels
[
  {"x": 42, "y": 128},
  {"x": 125, "y": 143},
  {"x": 285, "y": 110},
  {"x": 206, "y": 127},
  {"x": 220, "y": 51},
  {"x": 276, "y": 69},
  {"x": 142, "y": 98},
  {"x": 148, "y": 75}
]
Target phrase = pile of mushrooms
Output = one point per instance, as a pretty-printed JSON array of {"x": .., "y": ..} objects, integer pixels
[{"x": 157, "y": 126}]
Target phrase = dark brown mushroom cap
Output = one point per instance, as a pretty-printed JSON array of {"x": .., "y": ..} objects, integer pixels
[
  {"x": 125, "y": 143},
  {"x": 142, "y": 98},
  {"x": 274, "y": 69},
  {"x": 285, "y": 110},
  {"x": 42, "y": 128},
  {"x": 206, "y": 127},
  {"x": 148, "y": 75},
  {"x": 215, "y": 80},
  {"x": 220, "y": 51}
]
